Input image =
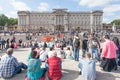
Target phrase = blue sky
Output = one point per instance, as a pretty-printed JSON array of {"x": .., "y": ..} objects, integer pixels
[{"x": 111, "y": 8}]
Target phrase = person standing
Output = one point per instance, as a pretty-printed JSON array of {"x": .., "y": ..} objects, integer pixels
[
  {"x": 108, "y": 55},
  {"x": 84, "y": 46},
  {"x": 76, "y": 46},
  {"x": 116, "y": 41},
  {"x": 3, "y": 43},
  {"x": 94, "y": 46},
  {"x": 14, "y": 38},
  {"x": 7, "y": 43}
]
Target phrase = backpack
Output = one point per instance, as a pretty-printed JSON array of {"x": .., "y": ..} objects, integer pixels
[{"x": 77, "y": 43}]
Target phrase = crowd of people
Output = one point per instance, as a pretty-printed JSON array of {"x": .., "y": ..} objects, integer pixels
[{"x": 103, "y": 50}]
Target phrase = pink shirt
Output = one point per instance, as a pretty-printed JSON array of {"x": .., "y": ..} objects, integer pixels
[{"x": 109, "y": 49}]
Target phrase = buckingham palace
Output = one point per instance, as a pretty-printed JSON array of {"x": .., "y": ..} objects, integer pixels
[{"x": 60, "y": 20}]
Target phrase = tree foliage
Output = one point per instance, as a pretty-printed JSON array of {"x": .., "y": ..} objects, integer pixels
[
  {"x": 117, "y": 22},
  {"x": 12, "y": 21},
  {"x": 5, "y": 21}
]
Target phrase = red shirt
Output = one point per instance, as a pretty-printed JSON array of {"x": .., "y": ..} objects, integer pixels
[{"x": 54, "y": 71}]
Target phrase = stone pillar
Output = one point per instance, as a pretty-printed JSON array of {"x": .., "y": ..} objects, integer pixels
[
  {"x": 91, "y": 22},
  {"x": 27, "y": 22},
  {"x": 66, "y": 28}
]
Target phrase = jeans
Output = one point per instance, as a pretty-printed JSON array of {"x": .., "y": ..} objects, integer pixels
[
  {"x": 117, "y": 55},
  {"x": 76, "y": 54},
  {"x": 83, "y": 52},
  {"x": 18, "y": 68},
  {"x": 3, "y": 46},
  {"x": 94, "y": 51}
]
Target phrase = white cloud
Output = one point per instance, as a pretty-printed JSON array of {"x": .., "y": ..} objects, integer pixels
[
  {"x": 111, "y": 9},
  {"x": 18, "y": 5},
  {"x": 94, "y": 3},
  {"x": 110, "y": 19},
  {"x": 43, "y": 6},
  {"x": 106, "y": 20},
  {"x": 1, "y": 8},
  {"x": 116, "y": 17},
  {"x": 12, "y": 14}
]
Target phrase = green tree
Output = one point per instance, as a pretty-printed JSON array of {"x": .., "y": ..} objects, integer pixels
[
  {"x": 3, "y": 20},
  {"x": 117, "y": 22},
  {"x": 12, "y": 21}
]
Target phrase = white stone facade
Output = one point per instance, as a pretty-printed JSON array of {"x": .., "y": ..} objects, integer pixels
[{"x": 59, "y": 20}]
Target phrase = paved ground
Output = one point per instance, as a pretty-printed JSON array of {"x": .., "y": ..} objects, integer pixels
[{"x": 70, "y": 69}]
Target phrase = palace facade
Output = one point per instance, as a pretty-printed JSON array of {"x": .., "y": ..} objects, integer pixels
[{"x": 60, "y": 20}]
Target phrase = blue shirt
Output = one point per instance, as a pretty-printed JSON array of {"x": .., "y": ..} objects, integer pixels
[
  {"x": 8, "y": 64},
  {"x": 88, "y": 69}
]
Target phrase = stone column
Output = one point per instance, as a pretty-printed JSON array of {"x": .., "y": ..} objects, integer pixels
[
  {"x": 65, "y": 23},
  {"x": 27, "y": 22},
  {"x": 91, "y": 22}
]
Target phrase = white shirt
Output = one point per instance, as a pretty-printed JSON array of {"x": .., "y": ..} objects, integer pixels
[
  {"x": 50, "y": 54},
  {"x": 43, "y": 55}
]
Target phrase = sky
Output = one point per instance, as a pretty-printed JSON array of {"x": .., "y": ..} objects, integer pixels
[{"x": 111, "y": 8}]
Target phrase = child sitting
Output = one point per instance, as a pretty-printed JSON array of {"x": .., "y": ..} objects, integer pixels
[
  {"x": 68, "y": 54},
  {"x": 62, "y": 52}
]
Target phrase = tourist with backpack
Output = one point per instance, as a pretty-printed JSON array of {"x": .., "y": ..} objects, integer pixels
[{"x": 76, "y": 46}]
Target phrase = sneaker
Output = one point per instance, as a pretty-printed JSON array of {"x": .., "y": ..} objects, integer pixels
[{"x": 20, "y": 71}]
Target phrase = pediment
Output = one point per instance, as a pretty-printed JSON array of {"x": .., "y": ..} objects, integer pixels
[
  {"x": 59, "y": 11},
  {"x": 97, "y": 11}
]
